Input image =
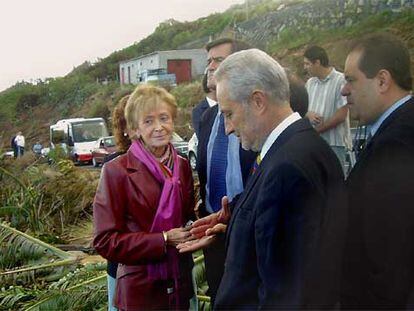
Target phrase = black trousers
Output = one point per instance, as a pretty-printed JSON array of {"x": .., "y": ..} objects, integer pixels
[{"x": 214, "y": 257}]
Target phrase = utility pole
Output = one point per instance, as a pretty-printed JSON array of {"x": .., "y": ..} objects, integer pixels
[{"x": 247, "y": 9}]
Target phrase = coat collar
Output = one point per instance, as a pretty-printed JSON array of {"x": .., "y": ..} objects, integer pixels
[
  {"x": 132, "y": 163},
  {"x": 392, "y": 118},
  {"x": 291, "y": 130}
]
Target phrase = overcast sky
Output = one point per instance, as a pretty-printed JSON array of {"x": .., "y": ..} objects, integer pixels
[{"x": 47, "y": 38}]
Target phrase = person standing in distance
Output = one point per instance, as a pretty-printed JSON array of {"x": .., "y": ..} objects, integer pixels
[{"x": 328, "y": 111}]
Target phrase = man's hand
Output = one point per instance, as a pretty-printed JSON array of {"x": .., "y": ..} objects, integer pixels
[
  {"x": 200, "y": 226},
  {"x": 314, "y": 118},
  {"x": 204, "y": 230},
  {"x": 204, "y": 241},
  {"x": 338, "y": 117}
]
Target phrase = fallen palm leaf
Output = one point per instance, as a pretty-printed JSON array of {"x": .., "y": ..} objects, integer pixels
[{"x": 25, "y": 249}]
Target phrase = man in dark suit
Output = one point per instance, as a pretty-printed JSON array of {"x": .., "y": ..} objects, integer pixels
[
  {"x": 222, "y": 165},
  {"x": 208, "y": 101},
  {"x": 379, "y": 254},
  {"x": 284, "y": 238}
]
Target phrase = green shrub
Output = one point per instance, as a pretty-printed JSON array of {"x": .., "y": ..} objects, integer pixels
[
  {"x": 43, "y": 198},
  {"x": 188, "y": 94},
  {"x": 99, "y": 109}
]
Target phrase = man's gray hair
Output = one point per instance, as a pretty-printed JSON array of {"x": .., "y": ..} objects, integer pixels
[{"x": 248, "y": 70}]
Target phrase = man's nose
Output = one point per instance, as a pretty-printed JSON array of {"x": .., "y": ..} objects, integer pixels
[
  {"x": 345, "y": 90},
  {"x": 212, "y": 65}
]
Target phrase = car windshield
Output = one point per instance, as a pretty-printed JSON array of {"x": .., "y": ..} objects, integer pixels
[
  {"x": 109, "y": 142},
  {"x": 88, "y": 131}
]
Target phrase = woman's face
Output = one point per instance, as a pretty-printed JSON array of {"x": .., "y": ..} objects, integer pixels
[{"x": 155, "y": 127}]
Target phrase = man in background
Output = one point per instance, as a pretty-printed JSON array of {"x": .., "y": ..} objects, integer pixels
[
  {"x": 37, "y": 148},
  {"x": 379, "y": 254},
  {"x": 328, "y": 112},
  {"x": 209, "y": 101},
  {"x": 13, "y": 146},
  {"x": 20, "y": 143},
  {"x": 222, "y": 165}
]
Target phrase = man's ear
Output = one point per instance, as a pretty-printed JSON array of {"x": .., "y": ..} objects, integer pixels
[
  {"x": 258, "y": 100},
  {"x": 384, "y": 80}
]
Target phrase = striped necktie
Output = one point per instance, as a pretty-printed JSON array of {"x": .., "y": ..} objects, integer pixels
[{"x": 218, "y": 167}]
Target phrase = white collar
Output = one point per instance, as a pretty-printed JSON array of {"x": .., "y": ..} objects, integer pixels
[
  {"x": 211, "y": 102},
  {"x": 277, "y": 131}
]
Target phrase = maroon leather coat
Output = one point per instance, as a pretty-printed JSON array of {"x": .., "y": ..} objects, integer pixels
[{"x": 124, "y": 209}]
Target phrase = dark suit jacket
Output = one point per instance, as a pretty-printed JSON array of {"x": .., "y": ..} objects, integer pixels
[
  {"x": 284, "y": 239},
  {"x": 197, "y": 113},
  {"x": 379, "y": 253},
  {"x": 124, "y": 208}
]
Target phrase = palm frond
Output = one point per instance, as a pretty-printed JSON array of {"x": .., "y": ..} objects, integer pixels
[
  {"x": 87, "y": 295},
  {"x": 14, "y": 297},
  {"x": 9, "y": 174},
  {"x": 23, "y": 251}
]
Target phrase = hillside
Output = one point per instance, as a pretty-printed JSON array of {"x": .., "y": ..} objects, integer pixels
[{"x": 33, "y": 107}]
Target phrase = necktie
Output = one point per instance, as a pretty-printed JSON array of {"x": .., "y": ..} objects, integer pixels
[
  {"x": 218, "y": 166},
  {"x": 256, "y": 164}
]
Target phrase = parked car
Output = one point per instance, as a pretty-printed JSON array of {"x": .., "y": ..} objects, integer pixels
[
  {"x": 7, "y": 155},
  {"x": 103, "y": 147},
  {"x": 192, "y": 151},
  {"x": 180, "y": 145}
]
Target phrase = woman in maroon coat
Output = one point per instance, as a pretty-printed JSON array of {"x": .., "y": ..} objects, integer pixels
[{"x": 144, "y": 199}]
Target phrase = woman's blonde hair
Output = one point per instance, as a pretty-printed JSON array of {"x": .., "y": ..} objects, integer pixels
[{"x": 146, "y": 98}]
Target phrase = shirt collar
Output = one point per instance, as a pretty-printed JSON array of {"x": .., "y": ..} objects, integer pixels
[
  {"x": 211, "y": 102},
  {"x": 277, "y": 131},
  {"x": 328, "y": 77},
  {"x": 376, "y": 125}
]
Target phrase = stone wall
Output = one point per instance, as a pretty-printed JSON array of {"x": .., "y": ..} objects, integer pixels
[{"x": 316, "y": 14}]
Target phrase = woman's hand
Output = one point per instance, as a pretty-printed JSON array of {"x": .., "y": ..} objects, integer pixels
[
  {"x": 203, "y": 242},
  {"x": 195, "y": 245},
  {"x": 178, "y": 235}
]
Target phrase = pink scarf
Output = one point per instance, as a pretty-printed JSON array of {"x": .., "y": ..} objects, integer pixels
[{"x": 169, "y": 211}]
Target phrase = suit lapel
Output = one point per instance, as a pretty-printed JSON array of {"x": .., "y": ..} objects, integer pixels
[
  {"x": 205, "y": 134},
  {"x": 204, "y": 106},
  {"x": 390, "y": 119},
  {"x": 141, "y": 178}
]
